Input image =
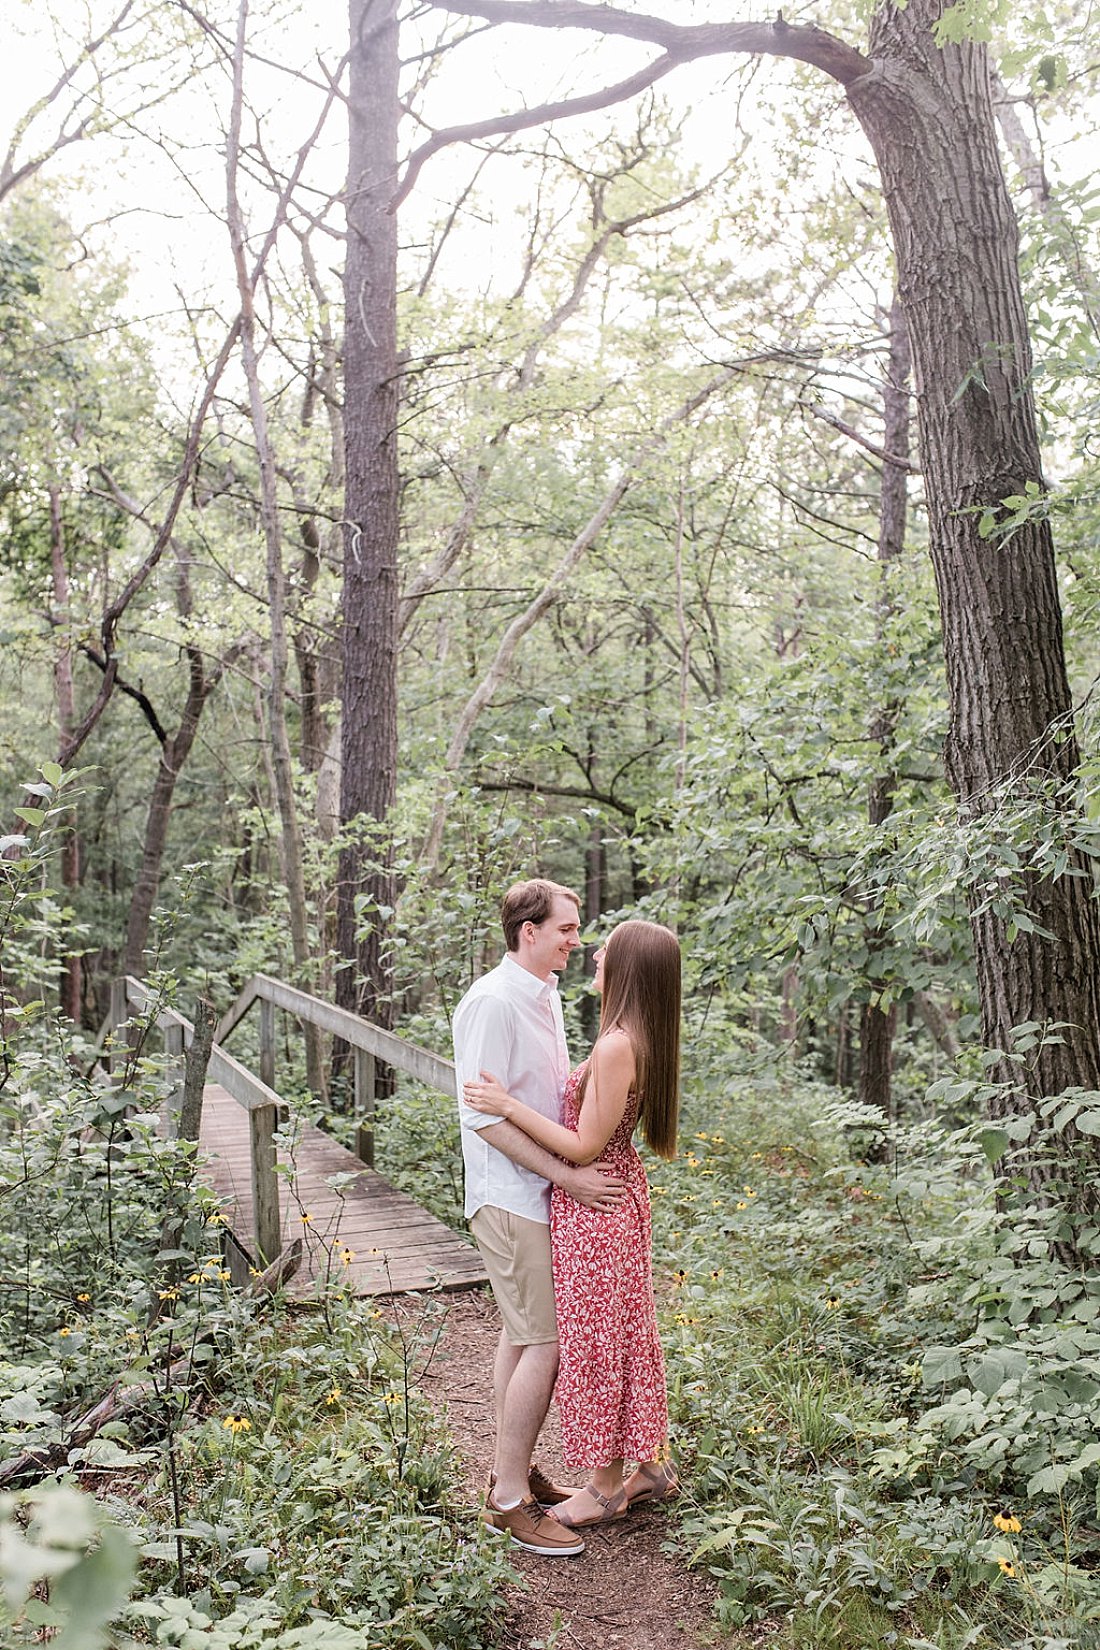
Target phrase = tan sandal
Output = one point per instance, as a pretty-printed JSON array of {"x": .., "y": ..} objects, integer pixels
[
  {"x": 661, "y": 1483},
  {"x": 614, "y": 1507}
]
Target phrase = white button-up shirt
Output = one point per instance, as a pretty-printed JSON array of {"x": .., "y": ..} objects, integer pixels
[{"x": 509, "y": 1023}]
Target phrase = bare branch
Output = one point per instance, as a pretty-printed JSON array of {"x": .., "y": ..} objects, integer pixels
[
  {"x": 115, "y": 609},
  {"x": 526, "y": 118},
  {"x": 525, "y": 621},
  {"x": 838, "y": 424}
]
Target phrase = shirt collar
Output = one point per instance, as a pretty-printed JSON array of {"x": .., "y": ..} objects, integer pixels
[{"x": 522, "y": 979}]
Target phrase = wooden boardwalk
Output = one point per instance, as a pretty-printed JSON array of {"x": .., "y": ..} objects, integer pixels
[{"x": 394, "y": 1244}]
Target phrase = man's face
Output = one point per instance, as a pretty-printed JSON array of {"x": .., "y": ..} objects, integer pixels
[{"x": 546, "y": 947}]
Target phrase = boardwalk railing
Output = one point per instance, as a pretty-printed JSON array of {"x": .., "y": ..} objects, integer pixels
[{"x": 257, "y": 1094}]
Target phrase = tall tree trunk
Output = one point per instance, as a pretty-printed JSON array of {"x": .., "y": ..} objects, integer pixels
[
  {"x": 876, "y": 1031},
  {"x": 927, "y": 111},
  {"x": 595, "y": 880},
  {"x": 72, "y": 981},
  {"x": 368, "y": 775}
]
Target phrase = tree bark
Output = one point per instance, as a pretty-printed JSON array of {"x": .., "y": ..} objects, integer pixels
[
  {"x": 369, "y": 699},
  {"x": 928, "y": 113},
  {"x": 72, "y": 973}
]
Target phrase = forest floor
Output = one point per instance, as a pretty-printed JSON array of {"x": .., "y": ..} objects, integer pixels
[{"x": 625, "y": 1589}]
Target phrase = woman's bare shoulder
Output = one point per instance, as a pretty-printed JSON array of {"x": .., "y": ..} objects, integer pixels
[{"x": 614, "y": 1052}]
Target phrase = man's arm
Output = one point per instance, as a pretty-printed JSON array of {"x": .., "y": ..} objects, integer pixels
[{"x": 588, "y": 1185}]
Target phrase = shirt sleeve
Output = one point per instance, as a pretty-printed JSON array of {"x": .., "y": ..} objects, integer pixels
[{"x": 483, "y": 1042}]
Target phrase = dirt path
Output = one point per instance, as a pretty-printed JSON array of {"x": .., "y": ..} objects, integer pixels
[{"x": 624, "y": 1590}]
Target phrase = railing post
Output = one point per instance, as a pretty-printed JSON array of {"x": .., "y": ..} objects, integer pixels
[
  {"x": 364, "y": 1106},
  {"x": 173, "y": 1100},
  {"x": 267, "y": 1042},
  {"x": 120, "y": 1013},
  {"x": 267, "y": 1225}
]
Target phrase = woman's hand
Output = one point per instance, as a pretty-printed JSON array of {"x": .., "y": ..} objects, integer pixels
[{"x": 489, "y": 1097}]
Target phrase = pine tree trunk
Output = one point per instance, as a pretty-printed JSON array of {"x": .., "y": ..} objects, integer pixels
[{"x": 369, "y": 700}]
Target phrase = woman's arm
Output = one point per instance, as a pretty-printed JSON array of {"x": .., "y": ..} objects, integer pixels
[{"x": 611, "y": 1072}]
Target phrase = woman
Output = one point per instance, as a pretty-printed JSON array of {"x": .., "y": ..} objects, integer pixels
[{"x": 611, "y": 1384}]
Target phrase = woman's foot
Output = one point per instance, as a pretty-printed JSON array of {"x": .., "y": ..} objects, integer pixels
[
  {"x": 592, "y": 1506},
  {"x": 652, "y": 1481}
]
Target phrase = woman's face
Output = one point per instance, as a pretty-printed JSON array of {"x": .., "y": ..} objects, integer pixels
[{"x": 598, "y": 960}]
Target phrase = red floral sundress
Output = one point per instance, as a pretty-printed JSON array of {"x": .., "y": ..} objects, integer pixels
[{"x": 611, "y": 1383}]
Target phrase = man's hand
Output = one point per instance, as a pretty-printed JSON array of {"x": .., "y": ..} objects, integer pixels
[{"x": 593, "y": 1188}]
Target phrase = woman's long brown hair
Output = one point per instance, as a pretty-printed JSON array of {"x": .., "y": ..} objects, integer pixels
[{"x": 641, "y": 993}]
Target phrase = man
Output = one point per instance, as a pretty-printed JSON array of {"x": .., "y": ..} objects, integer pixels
[{"x": 510, "y": 1023}]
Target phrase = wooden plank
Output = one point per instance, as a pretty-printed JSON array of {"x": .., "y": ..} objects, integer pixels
[{"x": 396, "y": 1245}]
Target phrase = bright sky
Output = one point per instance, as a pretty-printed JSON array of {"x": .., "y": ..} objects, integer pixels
[
  {"x": 161, "y": 184},
  {"x": 156, "y": 190}
]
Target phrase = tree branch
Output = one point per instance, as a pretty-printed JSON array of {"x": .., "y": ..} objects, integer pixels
[
  {"x": 524, "y": 119},
  {"x": 838, "y": 424}
]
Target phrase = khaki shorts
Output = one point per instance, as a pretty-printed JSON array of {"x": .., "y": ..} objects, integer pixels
[{"x": 516, "y": 1253}]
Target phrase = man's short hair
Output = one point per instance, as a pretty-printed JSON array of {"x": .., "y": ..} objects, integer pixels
[{"x": 530, "y": 902}]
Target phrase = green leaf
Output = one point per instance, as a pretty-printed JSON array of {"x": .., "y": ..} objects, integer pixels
[
  {"x": 1088, "y": 1122},
  {"x": 989, "y": 1373},
  {"x": 93, "y": 1591},
  {"x": 940, "y": 1365},
  {"x": 52, "y": 774},
  {"x": 1048, "y": 1481},
  {"x": 993, "y": 1143},
  {"x": 30, "y": 816}
]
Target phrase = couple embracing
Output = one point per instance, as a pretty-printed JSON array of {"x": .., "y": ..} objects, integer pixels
[{"x": 558, "y": 1204}]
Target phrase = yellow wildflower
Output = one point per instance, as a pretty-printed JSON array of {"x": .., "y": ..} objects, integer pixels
[
  {"x": 84, "y": 1298},
  {"x": 832, "y": 1302},
  {"x": 1007, "y": 1568},
  {"x": 334, "y": 1396},
  {"x": 168, "y": 1294},
  {"x": 65, "y": 1331},
  {"x": 237, "y": 1423},
  {"x": 347, "y": 1256},
  {"x": 741, "y": 1205},
  {"x": 1008, "y": 1522},
  {"x": 306, "y": 1217}
]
